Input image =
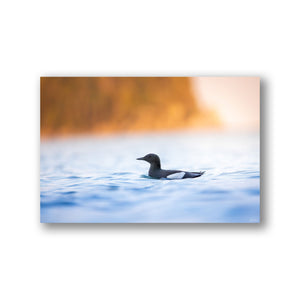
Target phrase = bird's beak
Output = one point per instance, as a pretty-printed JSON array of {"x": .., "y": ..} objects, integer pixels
[{"x": 140, "y": 158}]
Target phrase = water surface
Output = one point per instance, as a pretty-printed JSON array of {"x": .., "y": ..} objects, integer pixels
[{"x": 98, "y": 179}]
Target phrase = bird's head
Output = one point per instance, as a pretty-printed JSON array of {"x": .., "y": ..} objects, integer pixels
[{"x": 151, "y": 159}]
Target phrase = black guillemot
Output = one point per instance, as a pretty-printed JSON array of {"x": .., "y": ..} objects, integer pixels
[{"x": 155, "y": 170}]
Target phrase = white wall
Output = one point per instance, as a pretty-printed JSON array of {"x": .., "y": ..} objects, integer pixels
[{"x": 254, "y": 38}]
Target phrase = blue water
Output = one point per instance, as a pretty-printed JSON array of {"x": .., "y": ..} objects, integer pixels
[{"x": 92, "y": 179}]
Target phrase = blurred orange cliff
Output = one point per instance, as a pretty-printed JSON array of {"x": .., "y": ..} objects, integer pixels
[{"x": 96, "y": 105}]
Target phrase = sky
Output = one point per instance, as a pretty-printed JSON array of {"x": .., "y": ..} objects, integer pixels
[{"x": 236, "y": 99}]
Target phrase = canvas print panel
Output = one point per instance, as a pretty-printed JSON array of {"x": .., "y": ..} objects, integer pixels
[{"x": 150, "y": 150}]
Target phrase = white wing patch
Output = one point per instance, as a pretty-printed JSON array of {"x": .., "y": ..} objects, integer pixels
[{"x": 178, "y": 175}]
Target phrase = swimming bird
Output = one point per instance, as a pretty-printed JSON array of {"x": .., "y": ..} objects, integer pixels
[{"x": 155, "y": 170}]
